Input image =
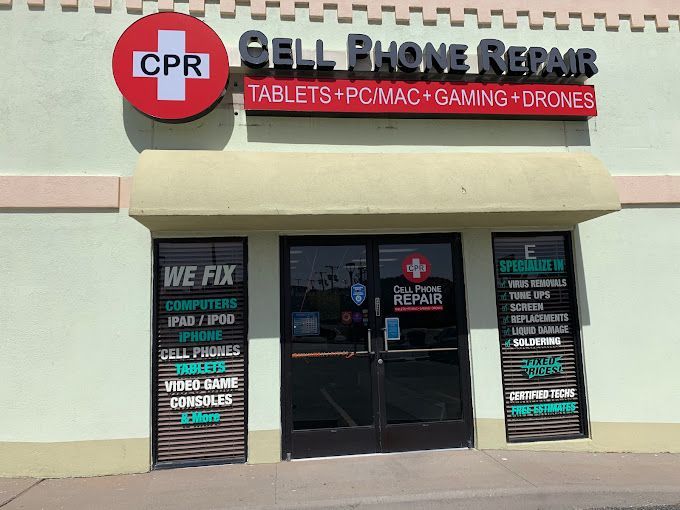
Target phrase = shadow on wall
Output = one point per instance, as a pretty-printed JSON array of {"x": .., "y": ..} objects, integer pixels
[
  {"x": 210, "y": 132},
  {"x": 581, "y": 281},
  {"x": 419, "y": 132},
  {"x": 214, "y": 130}
]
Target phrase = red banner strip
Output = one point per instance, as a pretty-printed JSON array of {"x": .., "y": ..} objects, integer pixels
[{"x": 270, "y": 93}]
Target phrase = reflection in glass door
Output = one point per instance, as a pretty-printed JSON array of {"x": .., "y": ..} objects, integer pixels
[
  {"x": 420, "y": 295},
  {"x": 331, "y": 381},
  {"x": 349, "y": 386}
]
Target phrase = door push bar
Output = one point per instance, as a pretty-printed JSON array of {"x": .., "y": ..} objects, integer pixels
[{"x": 370, "y": 347}]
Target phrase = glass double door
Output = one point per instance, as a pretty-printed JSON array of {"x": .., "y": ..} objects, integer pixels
[{"x": 375, "y": 345}]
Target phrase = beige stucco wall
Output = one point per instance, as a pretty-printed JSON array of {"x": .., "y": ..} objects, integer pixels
[
  {"x": 91, "y": 292},
  {"x": 74, "y": 332},
  {"x": 76, "y": 343},
  {"x": 76, "y": 286},
  {"x": 76, "y": 340},
  {"x": 629, "y": 299},
  {"x": 264, "y": 349},
  {"x": 63, "y": 107},
  {"x": 627, "y": 286},
  {"x": 185, "y": 190}
]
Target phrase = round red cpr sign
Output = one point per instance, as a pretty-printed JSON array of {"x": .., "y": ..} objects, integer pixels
[
  {"x": 170, "y": 66},
  {"x": 416, "y": 267}
]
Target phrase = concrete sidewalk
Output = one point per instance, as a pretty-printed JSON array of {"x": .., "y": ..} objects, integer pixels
[{"x": 437, "y": 479}]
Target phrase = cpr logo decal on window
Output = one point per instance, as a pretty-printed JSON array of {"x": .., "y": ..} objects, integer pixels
[
  {"x": 171, "y": 66},
  {"x": 416, "y": 268}
]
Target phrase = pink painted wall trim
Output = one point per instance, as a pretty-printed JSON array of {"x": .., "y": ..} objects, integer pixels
[
  {"x": 59, "y": 192},
  {"x": 653, "y": 189},
  {"x": 613, "y": 11},
  {"x": 124, "y": 192},
  {"x": 110, "y": 192}
]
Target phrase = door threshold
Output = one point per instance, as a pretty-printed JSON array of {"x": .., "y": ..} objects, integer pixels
[{"x": 381, "y": 454}]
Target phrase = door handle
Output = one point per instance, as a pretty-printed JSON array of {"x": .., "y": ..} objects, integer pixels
[
  {"x": 370, "y": 350},
  {"x": 384, "y": 330}
]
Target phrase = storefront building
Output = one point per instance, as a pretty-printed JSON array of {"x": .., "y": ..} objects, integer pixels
[{"x": 257, "y": 232}]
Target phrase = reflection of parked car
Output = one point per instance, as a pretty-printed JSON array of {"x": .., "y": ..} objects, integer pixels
[
  {"x": 415, "y": 338},
  {"x": 447, "y": 337},
  {"x": 332, "y": 335}
]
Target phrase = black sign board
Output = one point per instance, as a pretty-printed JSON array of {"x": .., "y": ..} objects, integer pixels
[
  {"x": 200, "y": 329},
  {"x": 539, "y": 336}
]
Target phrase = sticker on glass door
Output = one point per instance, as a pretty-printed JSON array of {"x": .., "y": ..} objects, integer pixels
[
  {"x": 416, "y": 268},
  {"x": 358, "y": 293},
  {"x": 417, "y": 297},
  {"x": 392, "y": 330}
]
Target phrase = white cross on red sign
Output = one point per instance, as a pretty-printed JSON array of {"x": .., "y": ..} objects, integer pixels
[
  {"x": 416, "y": 267},
  {"x": 171, "y": 66}
]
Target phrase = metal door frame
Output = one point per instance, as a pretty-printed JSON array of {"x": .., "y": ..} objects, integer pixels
[
  {"x": 371, "y": 242},
  {"x": 405, "y": 437},
  {"x": 362, "y": 439}
]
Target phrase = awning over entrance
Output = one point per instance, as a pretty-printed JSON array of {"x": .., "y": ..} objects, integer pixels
[{"x": 213, "y": 190}]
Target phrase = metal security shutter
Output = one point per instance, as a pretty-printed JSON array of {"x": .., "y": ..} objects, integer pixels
[
  {"x": 539, "y": 336},
  {"x": 200, "y": 336}
]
